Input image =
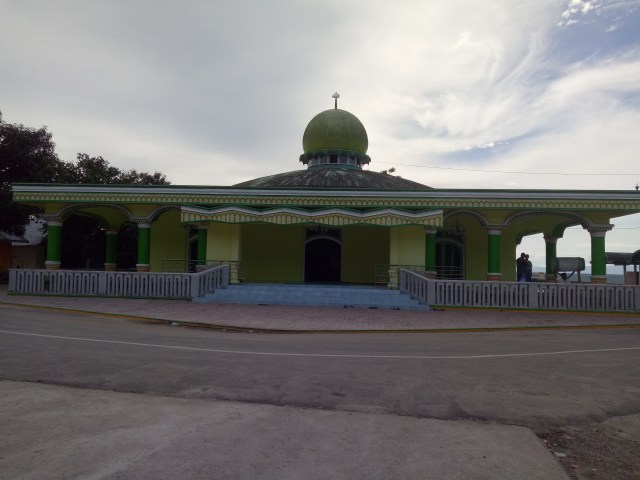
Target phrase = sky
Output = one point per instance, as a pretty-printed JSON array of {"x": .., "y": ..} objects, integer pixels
[{"x": 541, "y": 94}]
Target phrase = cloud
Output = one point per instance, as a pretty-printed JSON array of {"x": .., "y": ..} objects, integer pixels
[
  {"x": 580, "y": 12},
  {"x": 220, "y": 92}
]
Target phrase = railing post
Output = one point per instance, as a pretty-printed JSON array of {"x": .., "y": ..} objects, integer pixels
[
  {"x": 431, "y": 292},
  {"x": 533, "y": 294},
  {"x": 12, "y": 281},
  {"x": 195, "y": 285},
  {"x": 393, "y": 276},
  {"x": 227, "y": 275},
  {"x": 102, "y": 282}
]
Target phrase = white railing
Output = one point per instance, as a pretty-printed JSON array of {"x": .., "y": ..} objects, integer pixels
[
  {"x": 554, "y": 296},
  {"x": 210, "y": 279},
  {"x": 118, "y": 284}
]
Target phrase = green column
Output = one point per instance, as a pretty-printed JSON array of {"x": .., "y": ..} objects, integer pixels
[
  {"x": 493, "y": 255},
  {"x": 202, "y": 244},
  {"x": 551, "y": 253},
  {"x": 430, "y": 251},
  {"x": 111, "y": 256},
  {"x": 54, "y": 245},
  {"x": 144, "y": 247},
  {"x": 598, "y": 259}
]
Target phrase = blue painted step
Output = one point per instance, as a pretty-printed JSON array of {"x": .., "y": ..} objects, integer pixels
[{"x": 313, "y": 295}]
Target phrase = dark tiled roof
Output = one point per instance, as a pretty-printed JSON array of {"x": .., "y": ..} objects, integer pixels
[{"x": 334, "y": 177}]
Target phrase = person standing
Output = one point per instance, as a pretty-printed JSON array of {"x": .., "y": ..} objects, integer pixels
[
  {"x": 521, "y": 268},
  {"x": 529, "y": 268}
]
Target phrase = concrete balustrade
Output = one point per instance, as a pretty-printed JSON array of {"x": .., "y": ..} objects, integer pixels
[
  {"x": 553, "y": 296},
  {"x": 118, "y": 284},
  {"x": 429, "y": 291}
]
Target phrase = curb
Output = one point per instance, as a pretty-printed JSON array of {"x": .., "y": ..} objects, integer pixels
[{"x": 241, "y": 329}]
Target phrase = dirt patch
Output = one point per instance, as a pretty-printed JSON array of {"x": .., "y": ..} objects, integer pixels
[{"x": 598, "y": 451}]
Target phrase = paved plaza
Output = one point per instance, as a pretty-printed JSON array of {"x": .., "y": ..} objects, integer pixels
[{"x": 310, "y": 319}]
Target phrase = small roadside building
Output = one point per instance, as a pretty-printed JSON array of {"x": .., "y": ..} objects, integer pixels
[
  {"x": 7, "y": 240},
  {"x": 626, "y": 260},
  {"x": 334, "y": 220}
]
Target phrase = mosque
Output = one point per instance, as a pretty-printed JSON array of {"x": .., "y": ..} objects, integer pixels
[{"x": 332, "y": 221}]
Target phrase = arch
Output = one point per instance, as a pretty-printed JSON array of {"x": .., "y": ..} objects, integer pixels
[
  {"x": 153, "y": 216},
  {"x": 480, "y": 218},
  {"x": 99, "y": 219},
  {"x": 577, "y": 218},
  {"x": 450, "y": 258},
  {"x": 83, "y": 241},
  {"x": 526, "y": 233},
  {"x": 558, "y": 230},
  {"x": 66, "y": 211},
  {"x": 322, "y": 259}
]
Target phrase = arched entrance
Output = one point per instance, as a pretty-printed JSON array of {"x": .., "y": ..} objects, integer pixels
[
  {"x": 450, "y": 258},
  {"x": 322, "y": 259},
  {"x": 83, "y": 243}
]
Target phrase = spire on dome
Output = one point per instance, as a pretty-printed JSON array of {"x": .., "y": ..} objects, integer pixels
[{"x": 336, "y": 96}]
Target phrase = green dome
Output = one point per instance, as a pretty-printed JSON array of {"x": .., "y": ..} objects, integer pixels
[{"x": 335, "y": 130}]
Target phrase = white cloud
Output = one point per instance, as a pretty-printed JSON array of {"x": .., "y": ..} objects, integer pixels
[
  {"x": 219, "y": 92},
  {"x": 577, "y": 9},
  {"x": 579, "y": 12}
]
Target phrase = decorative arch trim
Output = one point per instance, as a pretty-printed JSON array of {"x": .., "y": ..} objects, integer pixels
[
  {"x": 153, "y": 216},
  {"x": 470, "y": 213},
  {"x": 68, "y": 210},
  {"x": 578, "y": 219},
  {"x": 332, "y": 216}
]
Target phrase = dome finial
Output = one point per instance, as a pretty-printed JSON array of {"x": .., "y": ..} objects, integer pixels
[{"x": 336, "y": 96}]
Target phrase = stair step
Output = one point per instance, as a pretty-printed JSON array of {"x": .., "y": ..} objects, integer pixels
[{"x": 313, "y": 295}]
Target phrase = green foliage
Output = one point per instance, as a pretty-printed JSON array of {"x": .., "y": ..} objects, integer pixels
[
  {"x": 97, "y": 170},
  {"x": 27, "y": 155}
]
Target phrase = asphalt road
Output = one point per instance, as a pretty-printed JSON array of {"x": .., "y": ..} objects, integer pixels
[{"x": 539, "y": 379}]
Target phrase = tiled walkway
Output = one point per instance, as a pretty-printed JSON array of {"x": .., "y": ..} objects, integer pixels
[{"x": 321, "y": 319}]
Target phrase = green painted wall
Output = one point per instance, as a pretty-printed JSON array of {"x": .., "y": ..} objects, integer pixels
[
  {"x": 363, "y": 248},
  {"x": 168, "y": 239},
  {"x": 493, "y": 254},
  {"x": 272, "y": 253},
  {"x": 54, "y": 245},
  {"x": 598, "y": 258}
]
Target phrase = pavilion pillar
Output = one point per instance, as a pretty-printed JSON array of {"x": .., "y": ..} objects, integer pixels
[
  {"x": 202, "y": 244},
  {"x": 494, "y": 273},
  {"x": 430, "y": 252},
  {"x": 598, "y": 257},
  {"x": 407, "y": 247},
  {"x": 54, "y": 244},
  {"x": 144, "y": 247},
  {"x": 111, "y": 255},
  {"x": 223, "y": 246},
  {"x": 551, "y": 253}
]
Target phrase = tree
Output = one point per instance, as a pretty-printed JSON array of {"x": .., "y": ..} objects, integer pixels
[
  {"x": 27, "y": 155},
  {"x": 97, "y": 170}
]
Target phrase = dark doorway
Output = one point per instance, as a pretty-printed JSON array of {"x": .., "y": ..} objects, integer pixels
[
  {"x": 322, "y": 260},
  {"x": 83, "y": 244},
  {"x": 127, "y": 246},
  {"x": 450, "y": 259}
]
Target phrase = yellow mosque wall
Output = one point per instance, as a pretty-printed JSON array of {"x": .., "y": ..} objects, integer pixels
[
  {"x": 168, "y": 240},
  {"x": 362, "y": 249},
  {"x": 272, "y": 253}
]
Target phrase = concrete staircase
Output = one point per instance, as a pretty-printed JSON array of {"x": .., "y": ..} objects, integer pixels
[{"x": 342, "y": 296}]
